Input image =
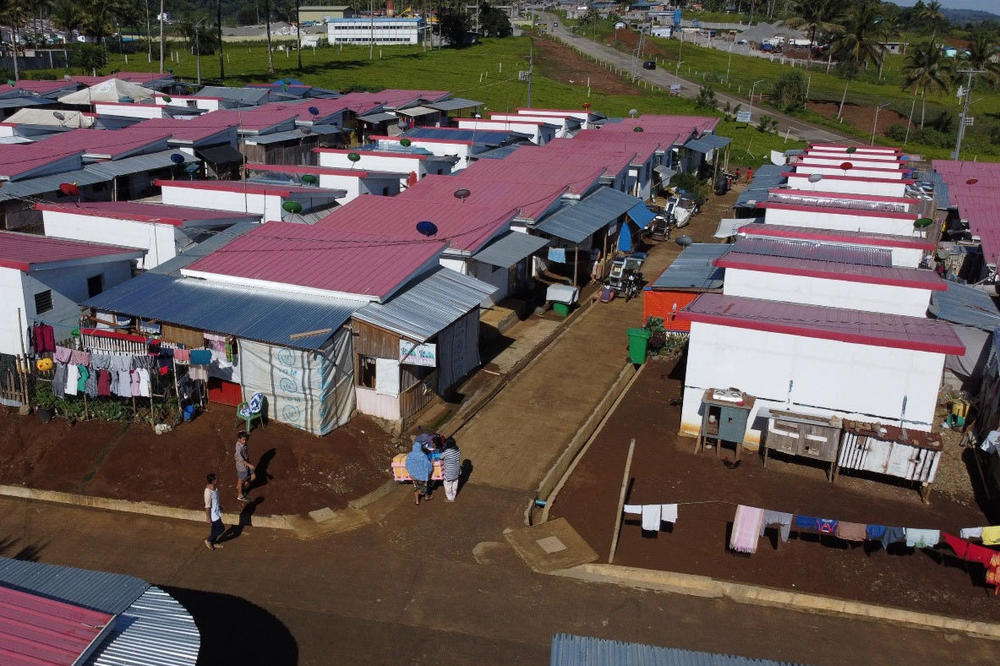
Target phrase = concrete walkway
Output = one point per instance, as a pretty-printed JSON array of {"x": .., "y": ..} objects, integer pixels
[{"x": 518, "y": 436}]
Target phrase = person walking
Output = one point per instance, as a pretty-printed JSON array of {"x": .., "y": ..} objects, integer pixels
[
  {"x": 244, "y": 470},
  {"x": 213, "y": 513},
  {"x": 451, "y": 460},
  {"x": 420, "y": 468}
]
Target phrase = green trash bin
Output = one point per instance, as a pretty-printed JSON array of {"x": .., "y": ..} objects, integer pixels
[
  {"x": 561, "y": 309},
  {"x": 637, "y": 341}
]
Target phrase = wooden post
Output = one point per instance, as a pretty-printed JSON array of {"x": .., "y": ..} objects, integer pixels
[
  {"x": 621, "y": 502},
  {"x": 177, "y": 390},
  {"x": 21, "y": 328},
  {"x": 576, "y": 263}
]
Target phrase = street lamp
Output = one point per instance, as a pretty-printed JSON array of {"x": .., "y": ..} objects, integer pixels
[
  {"x": 875, "y": 122},
  {"x": 677, "y": 69},
  {"x": 751, "y": 94}
]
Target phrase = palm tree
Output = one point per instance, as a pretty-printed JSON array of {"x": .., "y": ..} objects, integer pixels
[
  {"x": 14, "y": 13},
  {"x": 816, "y": 16},
  {"x": 981, "y": 51},
  {"x": 859, "y": 44},
  {"x": 926, "y": 67},
  {"x": 267, "y": 19},
  {"x": 932, "y": 16},
  {"x": 67, "y": 16}
]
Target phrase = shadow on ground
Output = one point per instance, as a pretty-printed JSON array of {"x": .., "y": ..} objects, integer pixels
[{"x": 234, "y": 630}]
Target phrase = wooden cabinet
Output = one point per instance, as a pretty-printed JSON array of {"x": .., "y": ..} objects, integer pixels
[
  {"x": 804, "y": 435},
  {"x": 725, "y": 416}
]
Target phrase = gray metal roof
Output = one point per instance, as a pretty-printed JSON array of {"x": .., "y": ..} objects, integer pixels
[
  {"x": 155, "y": 630},
  {"x": 454, "y": 104},
  {"x": 942, "y": 196},
  {"x": 203, "y": 249},
  {"x": 21, "y": 102},
  {"x": 138, "y": 164},
  {"x": 423, "y": 309},
  {"x": 498, "y": 153},
  {"x": 962, "y": 304},
  {"x": 693, "y": 269},
  {"x": 241, "y": 95},
  {"x": 568, "y": 650},
  {"x": 270, "y": 316},
  {"x": 31, "y": 187},
  {"x": 576, "y": 222},
  {"x": 378, "y": 117},
  {"x": 99, "y": 590},
  {"x": 295, "y": 134},
  {"x": 707, "y": 142},
  {"x": 508, "y": 249},
  {"x": 798, "y": 249},
  {"x": 764, "y": 178}
]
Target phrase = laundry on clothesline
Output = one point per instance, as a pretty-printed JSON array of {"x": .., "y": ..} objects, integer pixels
[
  {"x": 777, "y": 519},
  {"x": 746, "y": 529},
  {"x": 653, "y": 515}
]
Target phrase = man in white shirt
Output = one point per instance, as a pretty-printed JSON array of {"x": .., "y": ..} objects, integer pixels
[{"x": 213, "y": 513}]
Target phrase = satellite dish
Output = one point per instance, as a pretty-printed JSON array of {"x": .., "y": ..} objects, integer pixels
[
  {"x": 313, "y": 110},
  {"x": 177, "y": 158},
  {"x": 191, "y": 168},
  {"x": 69, "y": 189},
  {"x": 923, "y": 222},
  {"x": 684, "y": 240},
  {"x": 846, "y": 165},
  {"x": 292, "y": 206},
  {"x": 11, "y": 82},
  {"x": 58, "y": 115},
  {"x": 462, "y": 194},
  {"x": 306, "y": 130},
  {"x": 632, "y": 113},
  {"x": 586, "y": 105},
  {"x": 168, "y": 99},
  {"x": 815, "y": 177},
  {"x": 354, "y": 157},
  {"x": 637, "y": 129},
  {"x": 68, "y": 77},
  {"x": 851, "y": 149},
  {"x": 972, "y": 181},
  {"x": 426, "y": 228},
  {"x": 310, "y": 179},
  {"x": 405, "y": 143}
]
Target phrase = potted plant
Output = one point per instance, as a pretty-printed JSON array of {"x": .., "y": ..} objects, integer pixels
[{"x": 45, "y": 401}]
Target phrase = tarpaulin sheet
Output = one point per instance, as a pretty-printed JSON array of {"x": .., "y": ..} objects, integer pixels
[
  {"x": 312, "y": 391},
  {"x": 458, "y": 350}
]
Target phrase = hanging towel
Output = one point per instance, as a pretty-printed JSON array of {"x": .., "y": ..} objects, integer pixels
[
  {"x": 991, "y": 535},
  {"x": 634, "y": 509},
  {"x": 79, "y": 357},
  {"x": 960, "y": 546},
  {"x": 668, "y": 513},
  {"x": 143, "y": 374},
  {"x": 201, "y": 356},
  {"x": 850, "y": 531},
  {"x": 651, "y": 517},
  {"x": 746, "y": 529},
  {"x": 893, "y": 535},
  {"x": 971, "y": 533},
  {"x": 987, "y": 557},
  {"x": 103, "y": 382},
  {"x": 82, "y": 376},
  {"x": 805, "y": 522},
  {"x": 921, "y": 538},
  {"x": 875, "y": 532},
  {"x": 198, "y": 372},
  {"x": 782, "y": 520},
  {"x": 182, "y": 355},
  {"x": 826, "y": 525},
  {"x": 557, "y": 254},
  {"x": 72, "y": 378},
  {"x": 62, "y": 354}
]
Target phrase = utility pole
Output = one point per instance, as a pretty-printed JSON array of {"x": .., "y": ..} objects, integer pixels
[
  {"x": 965, "y": 110},
  {"x": 162, "y": 43},
  {"x": 149, "y": 35},
  {"x": 531, "y": 67},
  {"x": 218, "y": 20},
  {"x": 371, "y": 41}
]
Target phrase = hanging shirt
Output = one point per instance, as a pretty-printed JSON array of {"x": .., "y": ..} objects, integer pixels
[
  {"x": 780, "y": 519},
  {"x": 921, "y": 538},
  {"x": 83, "y": 375},
  {"x": 143, "y": 382},
  {"x": 874, "y": 532},
  {"x": 59, "y": 380},
  {"x": 124, "y": 383},
  {"x": 90, "y": 389},
  {"x": 103, "y": 382},
  {"x": 72, "y": 379},
  {"x": 991, "y": 535},
  {"x": 971, "y": 533},
  {"x": 134, "y": 383},
  {"x": 62, "y": 354}
]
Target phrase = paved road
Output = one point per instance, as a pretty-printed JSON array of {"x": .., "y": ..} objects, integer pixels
[{"x": 659, "y": 77}]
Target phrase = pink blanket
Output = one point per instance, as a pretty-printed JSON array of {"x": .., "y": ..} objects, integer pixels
[{"x": 746, "y": 529}]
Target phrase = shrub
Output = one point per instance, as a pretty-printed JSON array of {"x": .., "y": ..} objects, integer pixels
[
  {"x": 896, "y": 132},
  {"x": 789, "y": 92},
  {"x": 706, "y": 98}
]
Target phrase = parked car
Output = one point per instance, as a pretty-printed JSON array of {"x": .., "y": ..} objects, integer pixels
[{"x": 649, "y": 64}]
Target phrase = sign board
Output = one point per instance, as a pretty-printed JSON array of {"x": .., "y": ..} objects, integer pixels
[
  {"x": 412, "y": 353},
  {"x": 742, "y": 116},
  {"x": 386, "y": 376},
  {"x": 968, "y": 121}
]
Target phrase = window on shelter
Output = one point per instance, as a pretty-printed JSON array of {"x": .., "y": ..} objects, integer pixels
[
  {"x": 366, "y": 371},
  {"x": 43, "y": 301},
  {"x": 95, "y": 285}
]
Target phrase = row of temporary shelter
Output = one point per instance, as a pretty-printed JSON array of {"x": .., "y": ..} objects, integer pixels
[
  {"x": 336, "y": 297},
  {"x": 810, "y": 333}
]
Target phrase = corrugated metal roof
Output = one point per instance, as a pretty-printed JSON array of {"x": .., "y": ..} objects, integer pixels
[
  {"x": 191, "y": 254},
  {"x": 813, "y": 250},
  {"x": 21, "y": 102},
  {"x": 248, "y": 312},
  {"x": 380, "y": 117},
  {"x": 575, "y": 223},
  {"x": 295, "y": 134},
  {"x": 836, "y": 235},
  {"x": 241, "y": 95},
  {"x": 765, "y": 177},
  {"x": 942, "y": 199},
  {"x": 37, "y": 630},
  {"x": 484, "y": 137},
  {"x": 31, "y": 187},
  {"x": 455, "y": 104},
  {"x": 693, "y": 269},
  {"x": 836, "y": 200},
  {"x": 102, "y": 591},
  {"x": 853, "y": 326},
  {"x": 155, "y": 630},
  {"x": 510, "y": 248},
  {"x": 965, "y": 305},
  {"x": 498, "y": 153},
  {"x": 146, "y": 212},
  {"x": 568, "y": 650},
  {"x": 423, "y": 309},
  {"x": 707, "y": 143},
  {"x": 28, "y": 251},
  {"x": 139, "y": 164},
  {"x": 915, "y": 278}
]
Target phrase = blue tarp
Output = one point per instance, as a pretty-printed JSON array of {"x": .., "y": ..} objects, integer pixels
[
  {"x": 625, "y": 238},
  {"x": 641, "y": 215}
]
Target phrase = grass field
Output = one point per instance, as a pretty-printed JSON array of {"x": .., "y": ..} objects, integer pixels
[{"x": 487, "y": 72}]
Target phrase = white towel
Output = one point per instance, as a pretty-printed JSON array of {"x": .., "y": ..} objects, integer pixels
[
  {"x": 668, "y": 513},
  {"x": 651, "y": 517},
  {"x": 971, "y": 533},
  {"x": 633, "y": 508}
]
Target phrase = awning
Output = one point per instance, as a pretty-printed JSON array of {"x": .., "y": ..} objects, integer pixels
[
  {"x": 664, "y": 172},
  {"x": 577, "y": 222},
  {"x": 707, "y": 143},
  {"x": 455, "y": 104},
  {"x": 220, "y": 155},
  {"x": 730, "y": 226},
  {"x": 415, "y": 111},
  {"x": 376, "y": 118},
  {"x": 965, "y": 305},
  {"x": 641, "y": 215},
  {"x": 510, "y": 248}
]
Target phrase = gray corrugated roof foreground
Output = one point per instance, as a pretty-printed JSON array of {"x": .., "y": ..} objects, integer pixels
[
  {"x": 426, "y": 307},
  {"x": 765, "y": 177},
  {"x": 21, "y": 189},
  {"x": 707, "y": 142},
  {"x": 693, "y": 269},
  {"x": 255, "y": 314},
  {"x": 139, "y": 163},
  {"x": 105, "y": 592},
  {"x": 569, "y": 650},
  {"x": 575, "y": 223},
  {"x": 509, "y": 248},
  {"x": 962, "y": 304},
  {"x": 204, "y": 248}
]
